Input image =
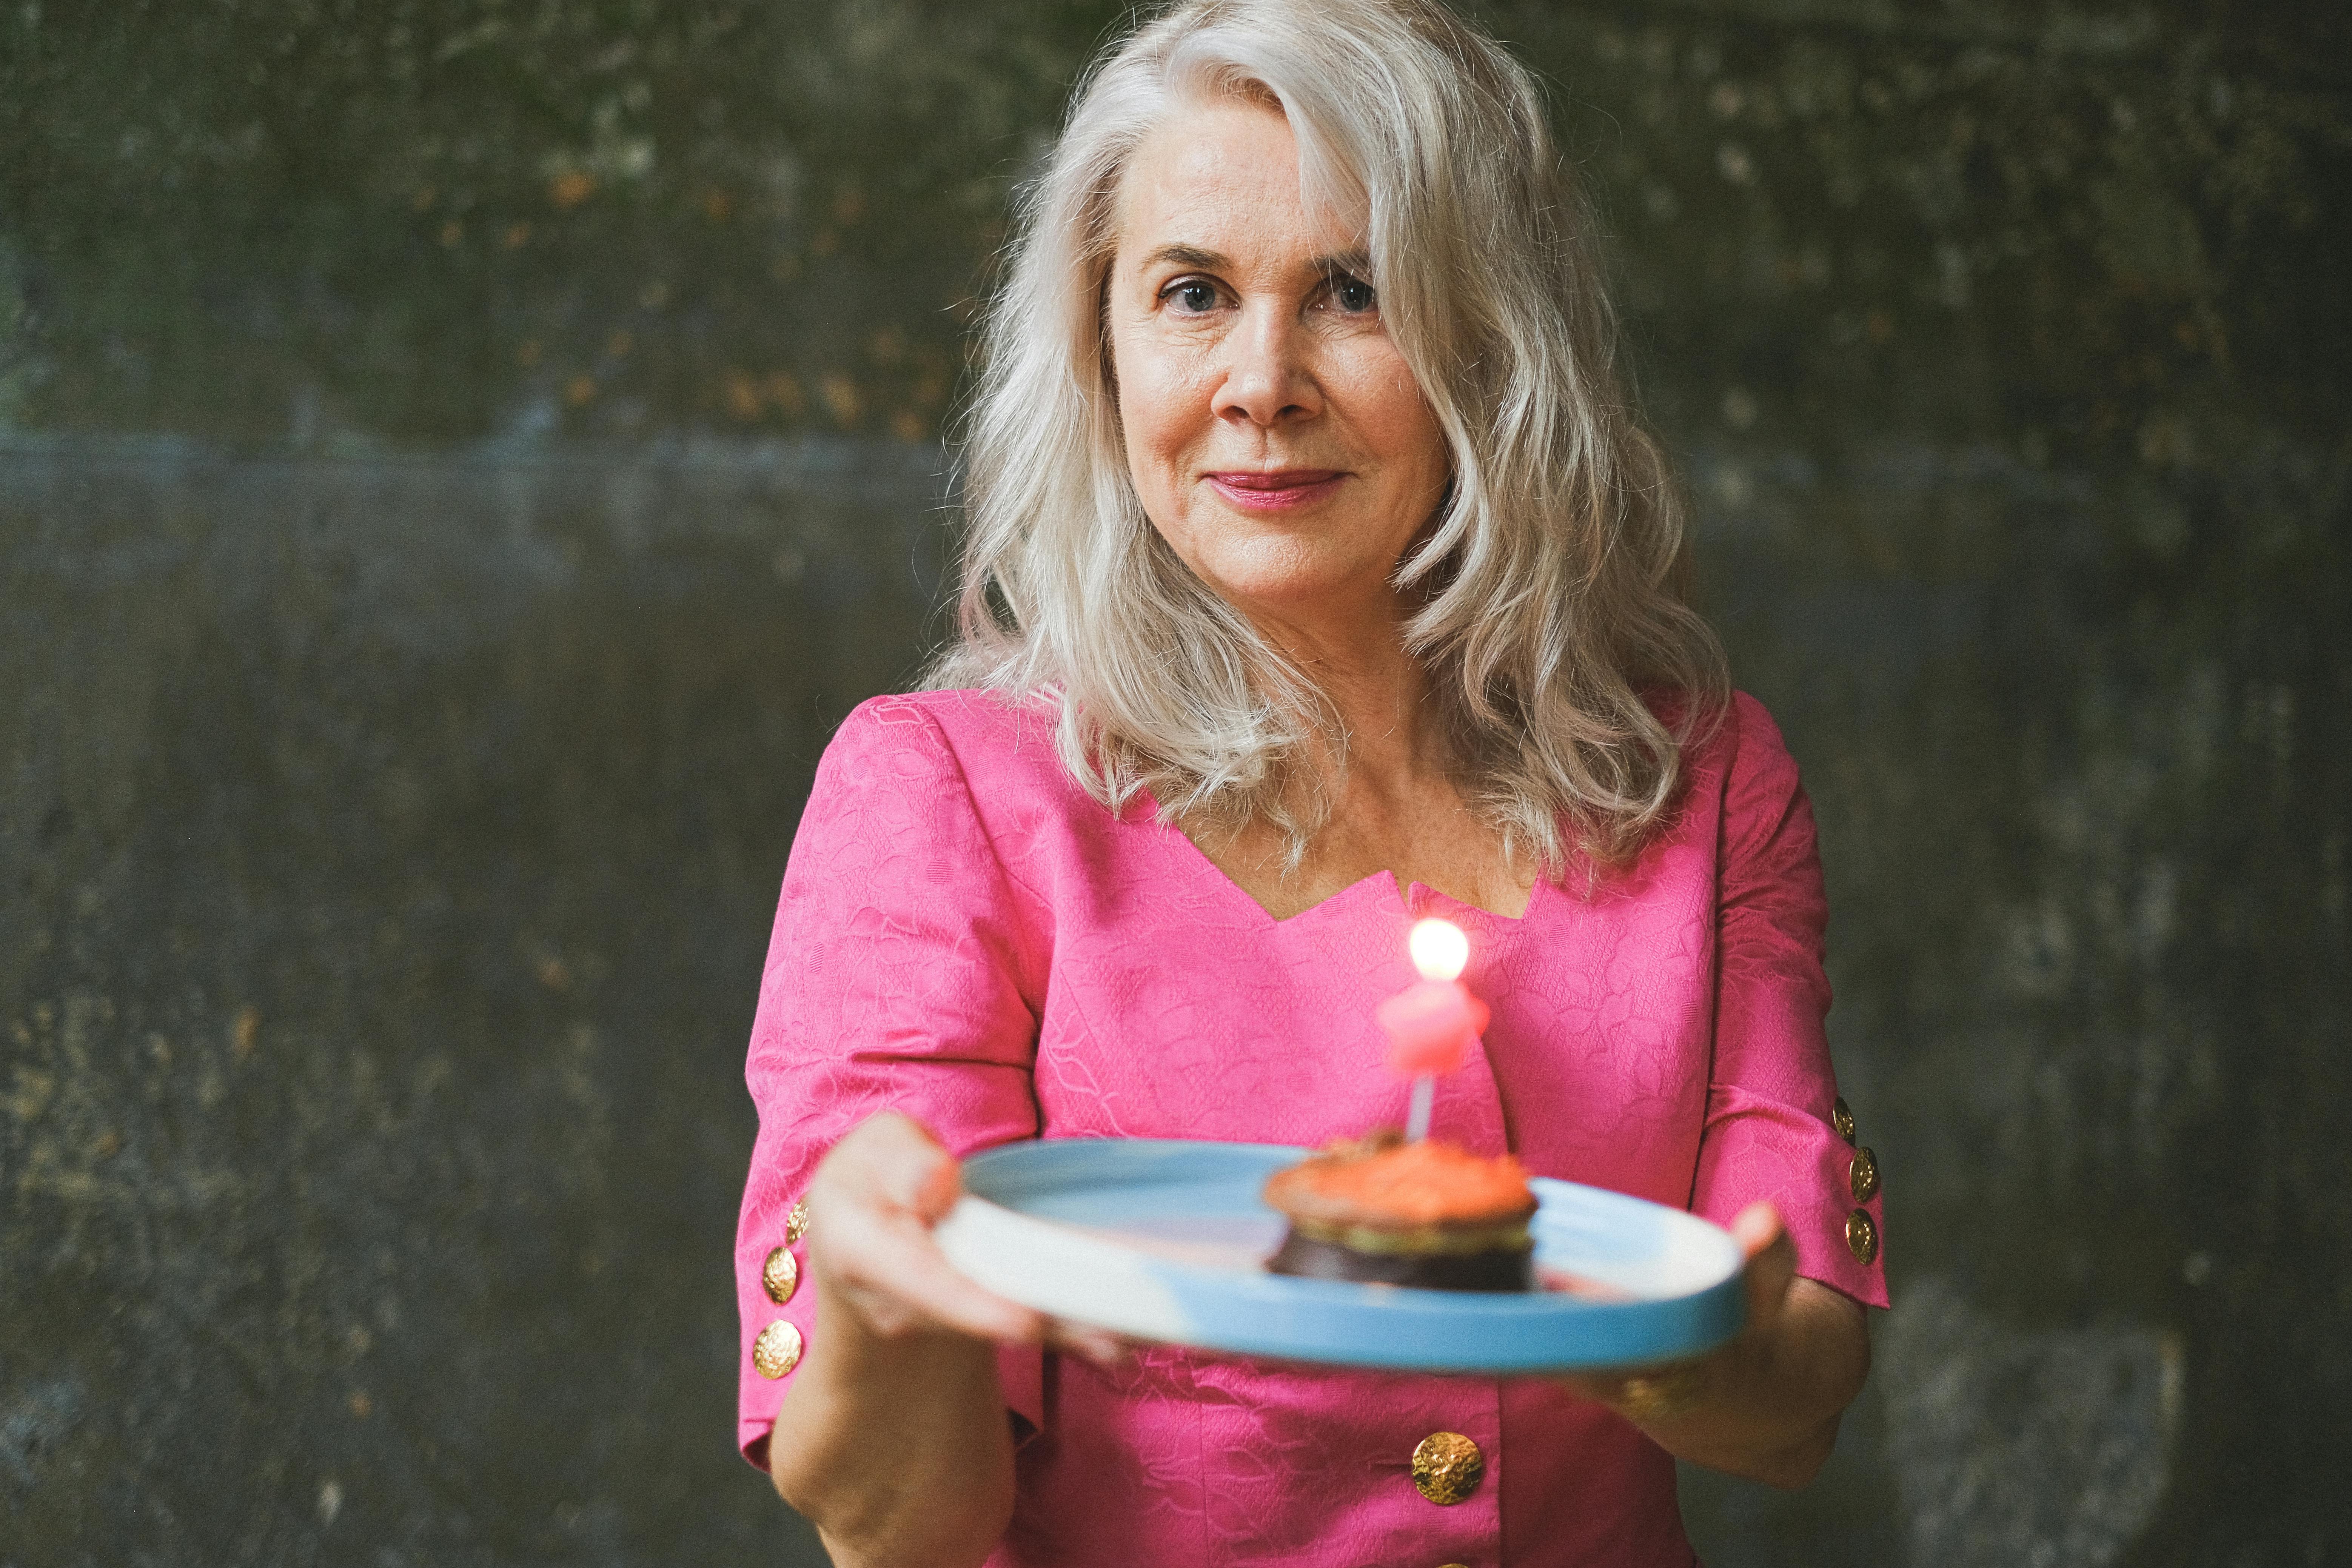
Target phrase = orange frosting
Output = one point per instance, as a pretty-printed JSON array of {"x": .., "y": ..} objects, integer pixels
[{"x": 1427, "y": 1182}]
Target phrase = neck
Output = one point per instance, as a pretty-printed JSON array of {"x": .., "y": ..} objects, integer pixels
[{"x": 1374, "y": 689}]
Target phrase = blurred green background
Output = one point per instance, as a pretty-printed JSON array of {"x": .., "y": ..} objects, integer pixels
[{"x": 459, "y": 458}]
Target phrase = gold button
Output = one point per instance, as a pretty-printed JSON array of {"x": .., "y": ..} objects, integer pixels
[
  {"x": 1861, "y": 1175},
  {"x": 1446, "y": 1468},
  {"x": 1842, "y": 1118},
  {"x": 796, "y": 1222},
  {"x": 777, "y": 1350},
  {"x": 780, "y": 1274},
  {"x": 1861, "y": 1235}
]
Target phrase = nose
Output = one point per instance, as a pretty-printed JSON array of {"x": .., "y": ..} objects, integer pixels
[{"x": 1268, "y": 380}]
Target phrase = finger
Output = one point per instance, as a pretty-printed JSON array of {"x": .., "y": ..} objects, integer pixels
[
  {"x": 940, "y": 1189},
  {"x": 906, "y": 1283},
  {"x": 1600, "y": 1388},
  {"x": 893, "y": 1158},
  {"x": 902, "y": 1281},
  {"x": 1099, "y": 1346},
  {"x": 876, "y": 1197}
]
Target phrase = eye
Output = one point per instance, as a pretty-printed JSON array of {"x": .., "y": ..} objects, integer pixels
[
  {"x": 1354, "y": 295},
  {"x": 1190, "y": 295}
]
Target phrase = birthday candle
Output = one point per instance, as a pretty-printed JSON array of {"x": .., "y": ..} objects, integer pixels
[{"x": 1431, "y": 1025}]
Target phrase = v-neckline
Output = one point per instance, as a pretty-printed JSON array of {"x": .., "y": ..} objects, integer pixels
[{"x": 1408, "y": 898}]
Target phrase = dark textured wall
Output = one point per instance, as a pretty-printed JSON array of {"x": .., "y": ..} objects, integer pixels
[{"x": 458, "y": 459}]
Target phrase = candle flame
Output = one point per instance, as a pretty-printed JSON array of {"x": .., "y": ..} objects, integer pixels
[{"x": 1439, "y": 949}]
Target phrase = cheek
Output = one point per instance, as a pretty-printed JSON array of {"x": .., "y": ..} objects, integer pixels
[
  {"x": 1156, "y": 418},
  {"x": 1401, "y": 419},
  {"x": 1151, "y": 401}
]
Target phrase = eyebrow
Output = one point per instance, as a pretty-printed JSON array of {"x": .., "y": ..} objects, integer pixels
[
  {"x": 1353, "y": 263},
  {"x": 1189, "y": 255}
]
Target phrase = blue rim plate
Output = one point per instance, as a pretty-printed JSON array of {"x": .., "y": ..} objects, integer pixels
[{"x": 1166, "y": 1240}]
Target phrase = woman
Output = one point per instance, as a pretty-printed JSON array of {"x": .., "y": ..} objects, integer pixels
[{"x": 1318, "y": 579}]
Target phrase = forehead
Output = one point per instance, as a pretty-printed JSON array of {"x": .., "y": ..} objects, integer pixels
[{"x": 1220, "y": 176}]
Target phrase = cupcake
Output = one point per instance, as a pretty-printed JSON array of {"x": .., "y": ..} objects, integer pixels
[{"x": 1425, "y": 1214}]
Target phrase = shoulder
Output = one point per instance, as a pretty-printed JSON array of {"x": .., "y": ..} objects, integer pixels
[
  {"x": 1764, "y": 823},
  {"x": 939, "y": 787},
  {"x": 973, "y": 744},
  {"x": 1736, "y": 747},
  {"x": 1739, "y": 787},
  {"x": 896, "y": 796},
  {"x": 917, "y": 727}
]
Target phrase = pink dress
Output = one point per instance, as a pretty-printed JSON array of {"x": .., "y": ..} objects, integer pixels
[{"x": 965, "y": 936}]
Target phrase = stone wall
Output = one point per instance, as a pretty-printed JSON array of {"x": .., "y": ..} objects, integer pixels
[{"x": 458, "y": 459}]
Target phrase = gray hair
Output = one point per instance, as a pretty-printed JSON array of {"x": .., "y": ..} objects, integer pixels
[{"x": 1551, "y": 621}]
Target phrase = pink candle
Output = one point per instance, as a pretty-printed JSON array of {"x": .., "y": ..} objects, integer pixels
[{"x": 1431, "y": 1025}]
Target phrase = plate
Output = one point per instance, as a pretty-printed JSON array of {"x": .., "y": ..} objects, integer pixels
[{"x": 1166, "y": 1240}]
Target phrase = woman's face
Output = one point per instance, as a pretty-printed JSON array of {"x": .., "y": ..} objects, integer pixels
[{"x": 1276, "y": 438}]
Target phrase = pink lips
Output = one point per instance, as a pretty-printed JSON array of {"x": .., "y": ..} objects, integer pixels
[{"x": 1276, "y": 490}]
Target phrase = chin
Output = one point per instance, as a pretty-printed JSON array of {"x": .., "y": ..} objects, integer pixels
[
  {"x": 1278, "y": 574},
  {"x": 1303, "y": 599}
]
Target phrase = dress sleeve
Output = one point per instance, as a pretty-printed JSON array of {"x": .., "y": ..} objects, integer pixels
[
  {"x": 1772, "y": 1097},
  {"x": 902, "y": 974}
]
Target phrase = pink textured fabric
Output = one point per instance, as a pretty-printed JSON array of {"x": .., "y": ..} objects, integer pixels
[{"x": 966, "y": 937}]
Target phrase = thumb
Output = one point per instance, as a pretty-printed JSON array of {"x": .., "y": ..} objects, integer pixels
[
  {"x": 1772, "y": 1261},
  {"x": 939, "y": 1188},
  {"x": 909, "y": 1167}
]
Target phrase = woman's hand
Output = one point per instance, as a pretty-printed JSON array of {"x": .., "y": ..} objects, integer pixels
[
  {"x": 894, "y": 1439},
  {"x": 874, "y": 1201},
  {"x": 872, "y": 1204},
  {"x": 1766, "y": 1405}
]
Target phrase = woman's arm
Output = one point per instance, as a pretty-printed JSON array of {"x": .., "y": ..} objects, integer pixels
[
  {"x": 1766, "y": 1405},
  {"x": 893, "y": 1439},
  {"x": 898, "y": 989},
  {"x": 1772, "y": 1164}
]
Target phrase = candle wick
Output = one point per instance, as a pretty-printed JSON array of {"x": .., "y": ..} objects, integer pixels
[{"x": 1416, "y": 1121}]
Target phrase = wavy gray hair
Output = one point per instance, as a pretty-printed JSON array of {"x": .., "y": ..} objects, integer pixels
[{"x": 1551, "y": 617}]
